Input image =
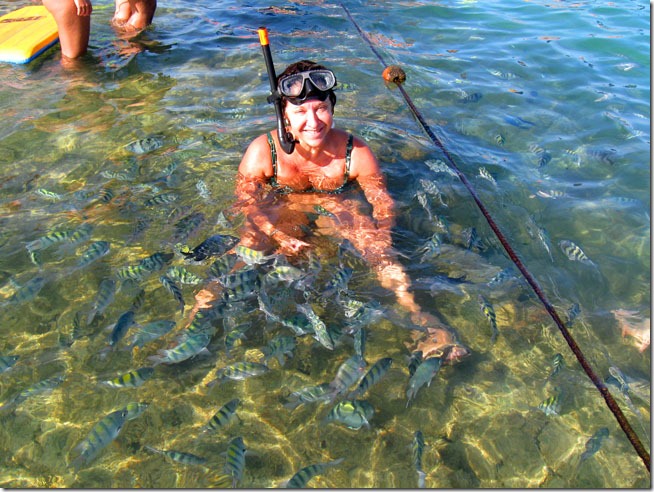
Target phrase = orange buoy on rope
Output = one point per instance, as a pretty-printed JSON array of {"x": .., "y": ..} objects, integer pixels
[{"x": 395, "y": 74}]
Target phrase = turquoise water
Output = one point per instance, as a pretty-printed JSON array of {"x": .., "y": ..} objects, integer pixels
[{"x": 550, "y": 98}]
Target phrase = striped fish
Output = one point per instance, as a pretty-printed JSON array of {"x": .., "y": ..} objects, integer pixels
[
  {"x": 216, "y": 245},
  {"x": 373, "y": 376},
  {"x": 179, "y": 456},
  {"x": 95, "y": 251},
  {"x": 423, "y": 375},
  {"x": 161, "y": 199},
  {"x": 338, "y": 282},
  {"x": 251, "y": 256},
  {"x": 170, "y": 285},
  {"x": 417, "y": 450},
  {"x": 320, "y": 329},
  {"x": 557, "y": 364},
  {"x": 574, "y": 252},
  {"x": 28, "y": 290},
  {"x": 489, "y": 312},
  {"x": 243, "y": 277},
  {"x": 551, "y": 405},
  {"x": 43, "y": 386},
  {"x": 348, "y": 373},
  {"x": 132, "y": 379},
  {"x": 309, "y": 394},
  {"x": 222, "y": 417},
  {"x": 134, "y": 272},
  {"x": 302, "y": 477},
  {"x": 239, "y": 371},
  {"x": 354, "y": 414},
  {"x": 192, "y": 346},
  {"x": 360, "y": 338},
  {"x": 183, "y": 276},
  {"x": 279, "y": 347},
  {"x": 48, "y": 240},
  {"x": 145, "y": 145},
  {"x": 104, "y": 297},
  {"x": 235, "y": 460},
  {"x": 222, "y": 265},
  {"x": 156, "y": 261},
  {"x": 101, "y": 435},
  {"x": 150, "y": 331},
  {"x": 134, "y": 409}
]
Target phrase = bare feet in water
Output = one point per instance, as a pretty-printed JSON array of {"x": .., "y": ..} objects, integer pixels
[
  {"x": 632, "y": 324},
  {"x": 436, "y": 340}
]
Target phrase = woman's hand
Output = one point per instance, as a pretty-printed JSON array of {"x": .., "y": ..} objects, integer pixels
[
  {"x": 288, "y": 245},
  {"x": 84, "y": 7}
]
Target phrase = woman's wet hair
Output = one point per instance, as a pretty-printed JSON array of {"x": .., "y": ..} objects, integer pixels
[{"x": 305, "y": 66}]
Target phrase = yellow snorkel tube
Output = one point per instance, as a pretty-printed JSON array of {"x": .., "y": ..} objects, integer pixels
[{"x": 286, "y": 139}]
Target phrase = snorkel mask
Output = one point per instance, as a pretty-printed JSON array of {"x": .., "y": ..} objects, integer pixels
[{"x": 311, "y": 84}]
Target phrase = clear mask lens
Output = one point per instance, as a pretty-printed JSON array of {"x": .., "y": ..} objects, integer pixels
[{"x": 292, "y": 85}]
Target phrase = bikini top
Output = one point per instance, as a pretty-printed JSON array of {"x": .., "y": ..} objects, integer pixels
[{"x": 287, "y": 189}]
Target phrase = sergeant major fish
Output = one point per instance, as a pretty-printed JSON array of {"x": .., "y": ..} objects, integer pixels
[
  {"x": 279, "y": 347},
  {"x": 373, "y": 376},
  {"x": 235, "y": 460},
  {"x": 348, "y": 373},
  {"x": 101, "y": 435},
  {"x": 222, "y": 417},
  {"x": 423, "y": 375},
  {"x": 302, "y": 476},
  {"x": 309, "y": 394},
  {"x": 104, "y": 297},
  {"x": 95, "y": 251},
  {"x": 179, "y": 456},
  {"x": 320, "y": 329},
  {"x": 239, "y": 371},
  {"x": 574, "y": 252},
  {"x": 190, "y": 347},
  {"x": 216, "y": 245},
  {"x": 170, "y": 285},
  {"x": 417, "y": 450},
  {"x": 354, "y": 414},
  {"x": 132, "y": 379},
  {"x": 489, "y": 312},
  {"x": 145, "y": 145},
  {"x": 43, "y": 386},
  {"x": 150, "y": 331}
]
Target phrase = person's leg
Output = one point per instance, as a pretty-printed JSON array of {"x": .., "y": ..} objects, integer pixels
[
  {"x": 74, "y": 29},
  {"x": 134, "y": 15},
  {"x": 122, "y": 13},
  {"x": 142, "y": 13}
]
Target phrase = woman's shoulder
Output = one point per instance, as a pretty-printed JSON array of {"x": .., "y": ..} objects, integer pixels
[
  {"x": 257, "y": 159},
  {"x": 364, "y": 161}
]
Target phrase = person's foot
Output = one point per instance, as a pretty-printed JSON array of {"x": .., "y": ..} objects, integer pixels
[{"x": 436, "y": 342}]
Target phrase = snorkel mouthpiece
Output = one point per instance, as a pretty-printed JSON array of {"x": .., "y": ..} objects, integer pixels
[{"x": 286, "y": 140}]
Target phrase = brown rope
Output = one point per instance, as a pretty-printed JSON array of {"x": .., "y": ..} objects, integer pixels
[{"x": 599, "y": 384}]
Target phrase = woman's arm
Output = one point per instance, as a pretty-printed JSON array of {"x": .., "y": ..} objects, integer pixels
[
  {"x": 365, "y": 169},
  {"x": 252, "y": 196}
]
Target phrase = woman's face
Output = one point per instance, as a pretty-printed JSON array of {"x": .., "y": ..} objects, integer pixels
[{"x": 311, "y": 121}]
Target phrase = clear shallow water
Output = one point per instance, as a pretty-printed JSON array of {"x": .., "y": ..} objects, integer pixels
[{"x": 579, "y": 73}]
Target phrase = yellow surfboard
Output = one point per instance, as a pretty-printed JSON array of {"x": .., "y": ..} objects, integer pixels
[{"x": 26, "y": 33}]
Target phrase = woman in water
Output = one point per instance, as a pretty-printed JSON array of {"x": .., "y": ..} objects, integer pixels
[{"x": 333, "y": 176}]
